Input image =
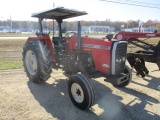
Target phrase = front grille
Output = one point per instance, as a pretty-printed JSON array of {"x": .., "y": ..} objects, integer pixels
[{"x": 118, "y": 57}]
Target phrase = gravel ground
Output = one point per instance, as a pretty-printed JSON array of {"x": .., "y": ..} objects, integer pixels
[{"x": 23, "y": 100}]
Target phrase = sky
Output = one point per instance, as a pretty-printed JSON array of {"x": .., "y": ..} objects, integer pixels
[{"x": 96, "y": 9}]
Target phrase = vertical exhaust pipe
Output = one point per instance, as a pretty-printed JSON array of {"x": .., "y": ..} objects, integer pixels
[
  {"x": 79, "y": 44},
  {"x": 40, "y": 25}
]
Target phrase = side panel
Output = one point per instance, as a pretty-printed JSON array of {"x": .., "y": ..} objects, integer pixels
[
  {"x": 101, "y": 60},
  {"x": 49, "y": 44},
  {"x": 100, "y": 49}
]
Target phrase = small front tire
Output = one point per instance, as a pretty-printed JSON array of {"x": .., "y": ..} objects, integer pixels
[{"x": 81, "y": 91}]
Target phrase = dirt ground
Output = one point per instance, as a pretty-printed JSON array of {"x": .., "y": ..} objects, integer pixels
[{"x": 22, "y": 100}]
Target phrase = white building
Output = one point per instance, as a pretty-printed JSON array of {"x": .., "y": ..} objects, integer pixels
[
  {"x": 140, "y": 28},
  {"x": 144, "y": 29},
  {"x": 5, "y": 29}
]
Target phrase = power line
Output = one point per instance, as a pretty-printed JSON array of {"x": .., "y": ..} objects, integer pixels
[
  {"x": 131, "y": 4},
  {"x": 142, "y": 3}
]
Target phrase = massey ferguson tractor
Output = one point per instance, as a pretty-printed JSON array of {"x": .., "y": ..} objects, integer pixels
[{"x": 81, "y": 57}]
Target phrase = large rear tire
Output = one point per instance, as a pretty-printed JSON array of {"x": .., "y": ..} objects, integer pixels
[
  {"x": 37, "y": 61},
  {"x": 81, "y": 91}
]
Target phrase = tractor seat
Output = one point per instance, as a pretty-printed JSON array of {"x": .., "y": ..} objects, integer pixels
[
  {"x": 58, "y": 43},
  {"x": 56, "y": 39}
]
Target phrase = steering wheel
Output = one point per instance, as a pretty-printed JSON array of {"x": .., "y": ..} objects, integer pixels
[
  {"x": 43, "y": 34},
  {"x": 46, "y": 33},
  {"x": 68, "y": 35}
]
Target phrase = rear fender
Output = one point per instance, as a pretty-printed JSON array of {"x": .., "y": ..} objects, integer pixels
[{"x": 49, "y": 44}]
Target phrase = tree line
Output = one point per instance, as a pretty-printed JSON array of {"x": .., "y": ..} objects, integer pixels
[{"x": 72, "y": 25}]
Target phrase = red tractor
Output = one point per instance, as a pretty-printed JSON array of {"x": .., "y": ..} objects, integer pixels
[{"x": 82, "y": 57}]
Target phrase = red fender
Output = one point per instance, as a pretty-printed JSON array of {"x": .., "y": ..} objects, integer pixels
[{"x": 49, "y": 44}]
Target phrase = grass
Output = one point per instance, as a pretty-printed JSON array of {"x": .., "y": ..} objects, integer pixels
[
  {"x": 11, "y": 64},
  {"x": 151, "y": 40},
  {"x": 51, "y": 35},
  {"x": 16, "y": 34}
]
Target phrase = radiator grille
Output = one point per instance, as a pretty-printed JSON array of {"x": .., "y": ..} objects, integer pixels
[
  {"x": 120, "y": 57},
  {"x": 119, "y": 51}
]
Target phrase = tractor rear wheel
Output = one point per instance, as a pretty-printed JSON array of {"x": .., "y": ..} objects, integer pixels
[
  {"x": 128, "y": 78},
  {"x": 37, "y": 61},
  {"x": 81, "y": 91}
]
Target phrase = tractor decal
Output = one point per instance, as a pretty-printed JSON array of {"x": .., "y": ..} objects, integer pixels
[{"x": 96, "y": 46}]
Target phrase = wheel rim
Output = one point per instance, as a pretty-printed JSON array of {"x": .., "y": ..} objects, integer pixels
[
  {"x": 31, "y": 62},
  {"x": 77, "y": 92}
]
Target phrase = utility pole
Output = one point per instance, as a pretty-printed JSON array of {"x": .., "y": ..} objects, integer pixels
[
  {"x": 11, "y": 22},
  {"x": 53, "y": 19}
]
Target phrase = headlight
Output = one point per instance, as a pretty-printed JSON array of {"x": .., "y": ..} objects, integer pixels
[{"x": 119, "y": 60}]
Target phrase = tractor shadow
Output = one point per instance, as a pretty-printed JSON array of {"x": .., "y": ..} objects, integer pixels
[
  {"x": 139, "y": 103},
  {"x": 153, "y": 82},
  {"x": 113, "y": 109},
  {"x": 53, "y": 97}
]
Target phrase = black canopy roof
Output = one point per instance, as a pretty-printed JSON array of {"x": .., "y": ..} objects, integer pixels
[{"x": 59, "y": 13}]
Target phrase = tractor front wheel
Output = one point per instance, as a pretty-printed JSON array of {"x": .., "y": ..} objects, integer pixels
[
  {"x": 37, "y": 61},
  {"x": 81, "y": 91}
]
